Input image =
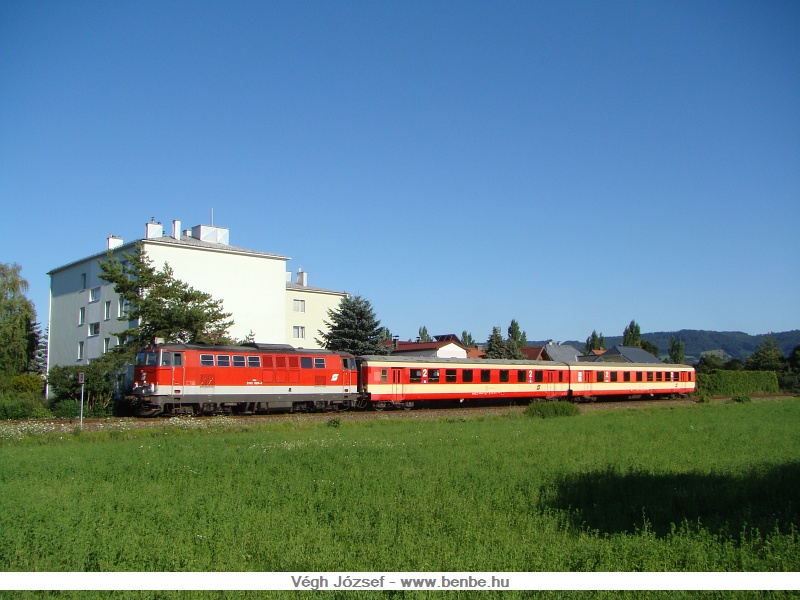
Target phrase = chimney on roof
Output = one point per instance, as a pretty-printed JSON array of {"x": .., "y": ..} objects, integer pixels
[
  {"x": 114, "y": 242},
  {"x": 153, "y": 230},
  {"x": 176, "y": 229},
  {"x": 302, "y": 277}
]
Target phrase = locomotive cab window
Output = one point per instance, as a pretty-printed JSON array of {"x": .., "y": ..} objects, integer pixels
[{"x": 146, "y": 359}]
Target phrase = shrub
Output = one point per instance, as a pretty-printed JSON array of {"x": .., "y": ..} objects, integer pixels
[
  {"x": 23, "y": 383},
  {"x": 545, "y": 410},
  {"x": 20, "y": 405},
  {"x": 66, "y": 409},
  {"x": 733, "y": 383}
]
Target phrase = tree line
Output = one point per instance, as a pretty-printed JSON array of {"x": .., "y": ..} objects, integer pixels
[{"x": 165, "y": 308}]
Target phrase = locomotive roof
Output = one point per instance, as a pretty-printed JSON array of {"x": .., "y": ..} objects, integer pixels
[{"x": 250, "y": 346}]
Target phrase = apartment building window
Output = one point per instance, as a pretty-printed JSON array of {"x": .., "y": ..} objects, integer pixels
[
  {"x": 299, "y": 332},
  {"x": 94, "y": 294},
  {"x": 80, "y": 350},
  {"x": 82, "y": 316},
  {"x": 106, "y": 345},
  {"x": 121, "y": 307},
  {"x": 107, "y": 310},
  {"x": 94, "y": 329},
  {"x": 299, "y": 306},
  {"x": 83, "y": 281}
]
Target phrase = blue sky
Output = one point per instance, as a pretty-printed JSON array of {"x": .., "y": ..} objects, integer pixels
[{"x": 570, "y": 165}]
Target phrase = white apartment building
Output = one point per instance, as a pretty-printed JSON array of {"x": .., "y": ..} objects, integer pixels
[{"x": 253, "y": 286}]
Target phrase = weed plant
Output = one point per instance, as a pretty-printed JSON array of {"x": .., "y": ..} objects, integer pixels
[{"x": 703, "y": 487}]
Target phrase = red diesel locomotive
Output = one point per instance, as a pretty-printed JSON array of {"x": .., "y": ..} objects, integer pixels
[
  {"x": 262, "y": 378},
  {"x": 252, "y": 378}
]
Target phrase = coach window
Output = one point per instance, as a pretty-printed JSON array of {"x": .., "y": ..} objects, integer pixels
[
  {"x": 486, "y": 375},
  {"x": 538, "y": 376},
  {"x": 384, "y": 375},
  {"x": 614, "y": 376},
  {"x": 319, "y": 363},
  {"x": 466, "y": 376},
  {"x": 206, "y": 360},
  {"x": 450, "y": 375},
  {"x": 433, "y": 376},
  {"x": 649, "y": 376},
  {"x": 626, "y": 376},
  {"x": 522, "y": 376},
  {"x": 238, "y": 360},
  {"x": 254, "y": 361},
  {"x": 223, "y": 360},
  {"x": 503, "y": 375},
  {"x": 415, "y": 375},
  {"x": 305, "y": 362},
  {"x": 639, "y": 376}
]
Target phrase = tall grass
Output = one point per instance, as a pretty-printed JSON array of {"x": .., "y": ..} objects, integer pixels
[{"x": 697, "y": 488}]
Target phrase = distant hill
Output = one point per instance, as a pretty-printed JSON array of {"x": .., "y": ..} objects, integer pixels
[{"x": 730, "y": 344}]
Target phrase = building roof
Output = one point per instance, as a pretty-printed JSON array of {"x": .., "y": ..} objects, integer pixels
[
  {"x": 169, "y": 240},
  {"x": 561, "y": 353},
  {"x": 290, "y": 285},
  {"x": 532, "y": 352},
  {"x": 627, "y": 354},
  {"x": 440, "y": 341}
]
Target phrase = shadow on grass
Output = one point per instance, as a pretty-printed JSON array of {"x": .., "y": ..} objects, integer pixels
[{"x": 613, "y": 502}]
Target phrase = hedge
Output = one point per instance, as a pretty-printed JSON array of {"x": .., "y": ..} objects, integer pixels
[{"x": 735, "y": 383}]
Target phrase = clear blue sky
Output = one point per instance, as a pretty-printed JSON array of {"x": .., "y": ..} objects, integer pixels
[{"x": 571, "y": 165}]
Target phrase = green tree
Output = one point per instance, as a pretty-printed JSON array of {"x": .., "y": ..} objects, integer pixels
[
  {"x": 514, "y": 342},
  {"x": 632, "y": 336},
  {"x": 496, "y": 345},
  {"x": 164, "y": 307},
  {"x": 594, "y": 342},
  {"x": 423, "y": 335},
  {"x": 386, "y": 334},
  {"x": 353, "y": 328},
  {"x": 467, "y": 340},
  {"x": 20, "y": 336},
  {"x": 676, "y": 351},
  {"x": 767, "y": 357}
]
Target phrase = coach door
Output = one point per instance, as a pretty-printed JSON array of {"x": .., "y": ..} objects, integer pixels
[{"x": 395, "y": 374}]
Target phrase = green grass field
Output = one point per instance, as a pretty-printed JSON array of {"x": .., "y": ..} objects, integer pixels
[{"x": 689, "y": 488}]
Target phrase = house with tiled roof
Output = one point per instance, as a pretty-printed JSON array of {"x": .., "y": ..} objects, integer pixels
[{"x": 442, "y": 346}]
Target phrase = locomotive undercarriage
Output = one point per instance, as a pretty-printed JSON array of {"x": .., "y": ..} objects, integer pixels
[{"x": 154, "y": 406}]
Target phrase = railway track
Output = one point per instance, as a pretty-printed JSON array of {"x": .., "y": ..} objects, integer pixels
[{"x": 95, "y": 424}]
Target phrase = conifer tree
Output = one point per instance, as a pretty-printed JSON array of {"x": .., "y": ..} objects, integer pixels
[
  {"x": 594, "y": 342},
  {"x": 496, "y": 345},
  {"x": 162, "y": 306},
  {"x": 353, "y": 328},
  {"x": 676, "y": 351}
]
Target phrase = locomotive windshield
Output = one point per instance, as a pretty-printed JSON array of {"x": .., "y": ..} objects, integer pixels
[{"x": 146, "y": 359}]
